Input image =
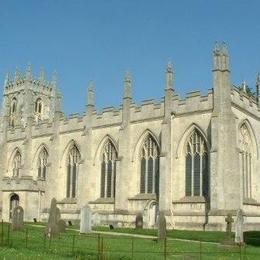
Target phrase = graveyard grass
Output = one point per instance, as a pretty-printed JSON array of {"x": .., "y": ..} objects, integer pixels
[{"x": 71, "y": 245}]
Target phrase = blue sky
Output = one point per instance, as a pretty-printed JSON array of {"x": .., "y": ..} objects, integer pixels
[{"x": 100, "y": 39}]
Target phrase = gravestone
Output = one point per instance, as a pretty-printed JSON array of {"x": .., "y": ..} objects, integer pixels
[
  {"x": 62, "y": 225},
  {"x": 139, "y": 221},
  {"x": 17, "y": 218},
  {"x": 239, "y": 238},
  {"x": 161, "y": 226},
  {"x": 85, "y": 220},
  {"x": 54, "y": 217},
  {"x": 229, "y": 220},
  {"x": 228, "y": 238}
]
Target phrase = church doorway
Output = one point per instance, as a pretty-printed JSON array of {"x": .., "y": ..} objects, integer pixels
[{"x": 14, "y": 201}]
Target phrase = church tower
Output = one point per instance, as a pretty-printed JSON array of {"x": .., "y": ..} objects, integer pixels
[{"x": 26, "y": 97}]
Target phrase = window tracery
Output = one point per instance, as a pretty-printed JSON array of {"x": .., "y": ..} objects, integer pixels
[
  {"x": 246, "y": 161},
  {"x": 72, "y": 171},
  {"x": 42, "y": 164},
  {"x": 196, "y": 160},
  {"x": 149, "y": 182},
  {"x": 108, "y": 171}
]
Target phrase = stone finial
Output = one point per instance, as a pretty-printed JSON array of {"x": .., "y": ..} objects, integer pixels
[
  {"x": 224, "y": 49},
  {"x": 54, "y": 79},
  {"x": 169, "y": 76},
  {"x": 6, "y": 81},
  {"x": 244, "y": 86},
  {"x": 217, "y": 48},
  {"x": 258, "y": 89},
  {"x": 221, "y": 57},
  {"x": 58, "y": 102},
  {"x": 91, "y": 94},
  {"x": 28, "y": 72},
  {"x": 42, "y": 76},
  {"x": 258, "y": 79},
  {"x": 127, "y": 85},
  {"x": 16, "y": 74}
]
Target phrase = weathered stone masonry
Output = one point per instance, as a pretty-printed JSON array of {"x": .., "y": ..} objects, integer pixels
[{"x": 196, "y": 159}]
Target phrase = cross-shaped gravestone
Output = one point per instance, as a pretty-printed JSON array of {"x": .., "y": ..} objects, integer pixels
[{"x": 229, "y": 220}]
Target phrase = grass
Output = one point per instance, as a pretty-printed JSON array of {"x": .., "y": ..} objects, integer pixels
[
  {"x": 209, "y": 236},
  {"x": 71, "y": 245}
]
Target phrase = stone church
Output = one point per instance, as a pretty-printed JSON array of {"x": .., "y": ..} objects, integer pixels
[{"x": 196, "y": 159}]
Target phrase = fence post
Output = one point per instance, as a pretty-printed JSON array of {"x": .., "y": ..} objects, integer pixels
[
  {"x": 73, "y": 243},
  {"x": 98, "y": 246},
  {"x": 132, "y": 248},
  {"x": 165, "y": 249},
  {"x": 2, "y": 234},
  {"x": 44, "y": 240},
  {"x": 50, "y": 241},
  {"x": 26, "y": 237},
  {"x": 8, "y": 234},
  {"x": 102, "y": 248},
  {"x": 200, "y": 250}
]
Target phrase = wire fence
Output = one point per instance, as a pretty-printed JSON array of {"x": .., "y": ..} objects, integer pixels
[{"x": 102, "y": 246}]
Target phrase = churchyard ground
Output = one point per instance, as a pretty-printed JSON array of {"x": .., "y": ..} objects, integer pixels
[{"x": 31, "y": 243}]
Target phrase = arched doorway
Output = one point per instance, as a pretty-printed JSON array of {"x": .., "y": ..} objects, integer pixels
[
  {"x": 151, "y": 212},
  {"x": 14, "y": 201}
]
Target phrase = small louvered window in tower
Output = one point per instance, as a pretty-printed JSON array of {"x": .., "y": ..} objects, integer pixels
[{"x": 17, "y": 164}]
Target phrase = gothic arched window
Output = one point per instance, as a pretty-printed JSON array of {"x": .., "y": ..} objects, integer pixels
[
  {"x": 17, "y": 164},
  {"x": 108, "y": 171},
  {"x": 196, "y": 164},
  {"x": 13, "y": 110},
  {"x": 38, "y": 109},
  {"x": 42, "y": 164},
  {"x": 149, "y": 181},
  {"x": 246, "y": 161},
  {"x": 72, "y": 171}
]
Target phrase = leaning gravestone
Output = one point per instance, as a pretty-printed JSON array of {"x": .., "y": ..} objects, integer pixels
[
  {"x": 17, "y": 218},
  {"x": 139, "y": 221},
  {"x": 85, "y": 220},
  {"x": 54, "y": 217},
  {"x": 161, "y": 226},
  {"x": 239, "y": 238}
]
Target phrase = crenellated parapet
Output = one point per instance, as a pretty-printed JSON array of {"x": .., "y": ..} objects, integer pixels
[
  {"x": 194, "y": 102},
  {"x": 244, "y": 102},
  {"x": 37, "y": 83}
]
